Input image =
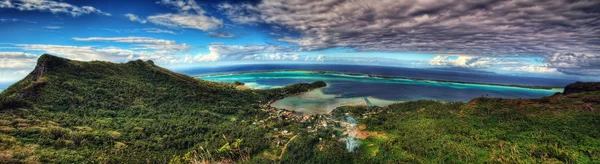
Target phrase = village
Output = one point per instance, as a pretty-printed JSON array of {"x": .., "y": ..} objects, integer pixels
[{"x": 285, "y": 125}]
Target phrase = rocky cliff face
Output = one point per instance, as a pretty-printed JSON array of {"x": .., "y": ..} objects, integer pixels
[
  {"x": 46, "y": 62},
  {"x": 582, "y": 87}
]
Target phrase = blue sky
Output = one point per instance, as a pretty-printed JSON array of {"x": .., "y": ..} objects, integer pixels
[{"x": 558, "y": 39}]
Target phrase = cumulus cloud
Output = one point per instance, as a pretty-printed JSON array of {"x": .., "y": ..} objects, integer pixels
[
  {"x": 249, "y": 52},
  {"x": 159, "y": 50},
  {"x": 487, "y": 27},
  {"x": 275, "y": 56},
  {"x": 17, "y": 60},
  {"x": 50, "y": 6},
  {"x": 114, "y": 54},
  {"x": 514, "y": 65},
  {"x": 135, "y": 18},
  {"x": 146, "y": 42},
  {"x": 461, "y": 61},
  {"x": 224, "y": 52},
  {"x": 15, "y": 65},
  {"x": 320, "y": 58},
  {"x": 189, "y": 15},
  {"x": 85, "y": 53},
  {"x": 531, "y": 69}
]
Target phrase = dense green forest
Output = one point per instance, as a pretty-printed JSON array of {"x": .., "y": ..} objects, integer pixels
[
  {"x": 556, "y": 129},
  {"x": 70, "y": 112},
  {"x": 99, "y": 112}
]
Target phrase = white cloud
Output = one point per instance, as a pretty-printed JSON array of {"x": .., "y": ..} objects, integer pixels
[
  {"x": 85, "y": 53},
  {"x": 243, "y": 13},
  {"x": 274, "y": 56},
  {"x": 249, "y": 52},
  {"x": 222, "y": 52},
  {"x": 192, "y": 21},
  {"x": 189, "y": 15},
  {"x": 17, "y": 60},
  {"x": 147, "y": 42},
  {"x": 53, "y": 27},
  {"x": 321, "y": 58},
  {"x": 159, "y": 50},
  {"x": 13, "y": 75},
  {"x": 135, "y": 18},
  {"x": 531, "y": 69},
  {"x": 15, "y": 65},
  {"x": 157, "y": 30},
  {"x": 461, "y": 61},
  {"x": 50, "y": 6},
  {"x": 182, "y": 5},
  {"x": 113, "y": 54}
]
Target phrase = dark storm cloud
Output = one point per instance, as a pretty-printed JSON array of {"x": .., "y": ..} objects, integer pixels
[
  {"x": 575, "y": 63},
  {"x": 473, "y": 27}
]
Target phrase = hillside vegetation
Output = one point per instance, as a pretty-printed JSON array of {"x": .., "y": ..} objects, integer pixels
[
  {"x": 555, "y": 129},
  {"x": 70, "y": 112},
  {"x": 98, "y": 112}
]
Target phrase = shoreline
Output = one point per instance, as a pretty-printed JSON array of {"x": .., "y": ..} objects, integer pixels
[
  {"x": 550, "y": 88},
  {"x": 321, "y": 103}
]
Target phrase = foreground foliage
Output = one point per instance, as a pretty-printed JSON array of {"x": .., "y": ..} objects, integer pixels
[{"x": 556, "y": 129}]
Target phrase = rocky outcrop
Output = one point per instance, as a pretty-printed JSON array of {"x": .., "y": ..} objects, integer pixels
[
  {"x": 582, "y": 87},
  {"x": 47, "y": 62}
]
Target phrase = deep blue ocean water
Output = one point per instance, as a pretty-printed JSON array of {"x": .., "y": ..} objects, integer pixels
[
  {"x": 4, "y": 85},
  {"x": 394, "y": 89},
  {"x": 432, "y": 74}
]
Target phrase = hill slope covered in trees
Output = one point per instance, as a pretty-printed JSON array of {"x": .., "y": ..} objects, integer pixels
[{"x": 73, "y": 111}]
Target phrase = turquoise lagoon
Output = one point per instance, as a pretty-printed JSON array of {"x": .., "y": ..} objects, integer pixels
[{"x": 345, "y": 89}]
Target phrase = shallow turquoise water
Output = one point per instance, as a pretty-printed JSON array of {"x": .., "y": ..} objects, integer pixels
[
  {"x": 354, "y": 89},
  {"x": 282, "y": 78}
]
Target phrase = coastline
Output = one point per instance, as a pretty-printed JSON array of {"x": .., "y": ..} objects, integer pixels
[
  {"x": 315, "y": 101},
  {"x": 547, "y": 88}
]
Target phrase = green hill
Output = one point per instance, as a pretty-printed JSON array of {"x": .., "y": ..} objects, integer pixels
[
  {"x": 73, "y": 111},
  {"x": 99, "y": 112},
  {"x": 556, "y": 129}
]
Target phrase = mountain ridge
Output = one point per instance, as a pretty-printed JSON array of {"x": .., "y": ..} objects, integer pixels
[{"x": 148, "y": 109}]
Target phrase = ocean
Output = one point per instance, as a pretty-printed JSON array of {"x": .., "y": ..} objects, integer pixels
[
  {"x": 344, "y": 89},
  {"x": 432, "y": 74}
]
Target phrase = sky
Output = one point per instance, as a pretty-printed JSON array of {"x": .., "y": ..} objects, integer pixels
[{"x": 542, "y": 38}]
